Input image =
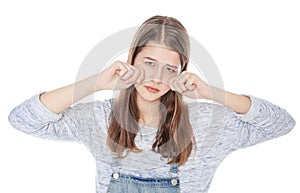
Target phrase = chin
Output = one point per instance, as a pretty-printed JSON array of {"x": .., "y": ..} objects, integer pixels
[{"x": 150, "y": 98}]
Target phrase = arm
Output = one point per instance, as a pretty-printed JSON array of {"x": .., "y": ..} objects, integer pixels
[
  {"x": 263, "y": 121},
  {"x": 190, "y": 85},
  {"x": 34, "y": 118},
  {"x": 60, "y": 99},
  {"x": 118, "y": 76},
  {"x": 248, "y": 120},
  {"x": 50, "y": 116},
  {"x": 238, "y": 103}
]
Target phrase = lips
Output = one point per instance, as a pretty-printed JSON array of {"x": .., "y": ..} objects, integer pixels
[{"x": 152, "y": 89}]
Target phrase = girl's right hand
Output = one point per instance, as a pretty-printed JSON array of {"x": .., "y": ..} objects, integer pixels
[{"x": 119, "y": 75}]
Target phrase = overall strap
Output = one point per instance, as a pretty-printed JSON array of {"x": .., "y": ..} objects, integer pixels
[
  {"x": 174, "y": 174},
  {"x": 174, "y": 168},
  {"x": 115, "y": 165}
]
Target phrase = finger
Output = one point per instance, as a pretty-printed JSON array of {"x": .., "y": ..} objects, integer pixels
[
  {"x": 189, "y": 84},
  {"x": 119, "y": 68},
  {"x": 129, "y": 72},
  {"x": 141, "y": 77},
  {"x": 134, "y": 77},
  {"x": 181, "y": 82},
  {"x": 176, "y": 86}
]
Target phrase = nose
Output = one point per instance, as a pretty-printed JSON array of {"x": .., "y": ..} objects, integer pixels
[{"x": 157, "y": 77}]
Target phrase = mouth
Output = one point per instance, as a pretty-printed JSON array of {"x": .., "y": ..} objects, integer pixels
[{"x": 152, "y": 89}]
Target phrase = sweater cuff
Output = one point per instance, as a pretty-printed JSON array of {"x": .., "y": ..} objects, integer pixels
[
  {"x": 252, "y": 112},
  {"x": 42, "y": 111}
]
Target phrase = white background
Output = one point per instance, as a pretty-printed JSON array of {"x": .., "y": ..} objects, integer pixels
[{"x": 255, "y": 45}]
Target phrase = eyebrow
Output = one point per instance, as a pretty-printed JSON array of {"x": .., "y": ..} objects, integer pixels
[{"x": 149, "y": 58}]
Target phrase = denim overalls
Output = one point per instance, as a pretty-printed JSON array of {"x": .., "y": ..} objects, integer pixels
[{"x": 120, "y": 183}]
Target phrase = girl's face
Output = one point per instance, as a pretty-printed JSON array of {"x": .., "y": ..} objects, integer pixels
[{"x": 159, "y": 64}]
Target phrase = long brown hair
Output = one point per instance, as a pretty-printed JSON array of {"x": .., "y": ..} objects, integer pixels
[{"x": 175, "y": 138}]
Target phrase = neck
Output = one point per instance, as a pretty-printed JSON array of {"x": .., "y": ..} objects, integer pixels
[{"x": 149, "y": 112}]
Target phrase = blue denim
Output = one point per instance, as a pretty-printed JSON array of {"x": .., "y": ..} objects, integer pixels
[{"x": 131, "y": 184}]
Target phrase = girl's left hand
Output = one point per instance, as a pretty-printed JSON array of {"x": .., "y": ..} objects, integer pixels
[{"x": 190, "y": 85}]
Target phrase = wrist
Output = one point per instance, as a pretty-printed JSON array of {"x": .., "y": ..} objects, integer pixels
[
  {"x": 217, "y": 94},
  {"x": 207, "y": 92},
  {"x": 98, "y": 83}
]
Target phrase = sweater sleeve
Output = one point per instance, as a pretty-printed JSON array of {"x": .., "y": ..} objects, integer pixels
[
  {"x": 263, "y": 121},
  {"x": 34, "y": 118}
]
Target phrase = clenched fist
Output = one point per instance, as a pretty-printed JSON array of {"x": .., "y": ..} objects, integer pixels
[{"x": 119, "y": 75}]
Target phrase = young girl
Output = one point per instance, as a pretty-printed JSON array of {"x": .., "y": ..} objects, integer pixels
[{"x": 147, "y": 139}]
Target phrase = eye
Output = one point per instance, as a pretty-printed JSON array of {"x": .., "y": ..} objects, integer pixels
[
  {"x": 171, "y": 70},
  {"x": 150, "y": 63}
]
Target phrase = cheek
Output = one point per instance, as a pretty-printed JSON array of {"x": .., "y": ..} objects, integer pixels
[
  {"x": 165, "y": 88},
  {"x": 138, "y": 87}
]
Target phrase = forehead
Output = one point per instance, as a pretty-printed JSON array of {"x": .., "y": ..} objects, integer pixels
[{"x": 159, "y": 53}]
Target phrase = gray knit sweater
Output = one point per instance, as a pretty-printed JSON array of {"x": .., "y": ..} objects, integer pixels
[{"x": 218, "y": 132}]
